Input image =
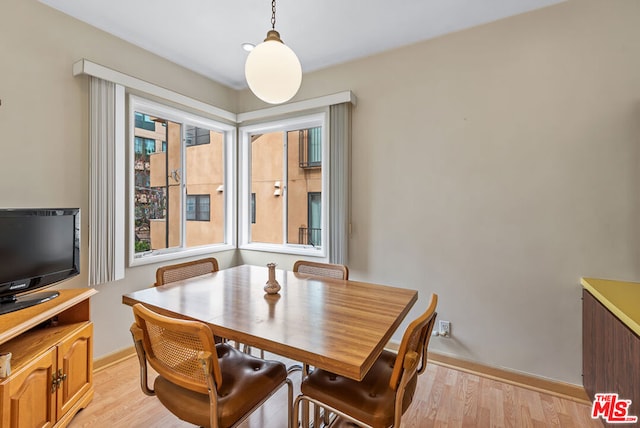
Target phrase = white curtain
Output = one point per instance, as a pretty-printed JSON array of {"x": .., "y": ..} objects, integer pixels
[
  {"x": 340, "y": 184},
  {"x": 106, "y": 181}
]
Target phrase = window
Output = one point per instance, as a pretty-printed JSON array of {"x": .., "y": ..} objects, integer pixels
[
  {"x": 198, "y": 207},
  {"x": 253, "y": 208},
  {"x": 310, "y": 147},
  {"x": 144, "y": 146},
  {"x": 182, "y": 183},
  {"x": 313, "y": 233},
  {"x": 290, "y": 193},
  {"x": 195, "y": 136},
  {"x": 143, "y": 121},
  {"x": 148, "y": 201}
]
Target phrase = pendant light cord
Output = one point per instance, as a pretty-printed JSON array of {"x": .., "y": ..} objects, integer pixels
[{"x": 273, "y": 14}]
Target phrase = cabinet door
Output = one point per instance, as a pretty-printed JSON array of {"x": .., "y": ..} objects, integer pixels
[
  {"x": 75, "y": 360},
  {"x": 610, "y": 354},
  {"x": 27, "y": 398}
]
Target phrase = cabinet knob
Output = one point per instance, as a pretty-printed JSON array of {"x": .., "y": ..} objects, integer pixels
[
  {"x": 57, "y": 379},
  {"x": 54, "y": 383}
]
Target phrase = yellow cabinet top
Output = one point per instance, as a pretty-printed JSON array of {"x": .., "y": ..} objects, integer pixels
[{"x": 620, "y": 297}]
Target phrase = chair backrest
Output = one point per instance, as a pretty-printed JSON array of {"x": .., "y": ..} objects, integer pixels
[
  {"x": 175, "y": 349},
  {"x": 321, "y": 269},
  {"x": 415, "y": 339},
  {"x": 180, "y": 271}
]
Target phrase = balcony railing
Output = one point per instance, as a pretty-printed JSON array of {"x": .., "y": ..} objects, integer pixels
[{"x": 310, "y": 236}]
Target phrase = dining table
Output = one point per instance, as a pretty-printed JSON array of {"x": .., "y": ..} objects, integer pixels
[{"x": 337, "y": 325}]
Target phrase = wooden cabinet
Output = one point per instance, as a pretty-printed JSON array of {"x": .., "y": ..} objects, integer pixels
[
  {"x": 52, "y": 362},
  {"x": 75, "y": 367},
  {"x": 27, "y": 400},
  {"x": 610, "y": 354}
]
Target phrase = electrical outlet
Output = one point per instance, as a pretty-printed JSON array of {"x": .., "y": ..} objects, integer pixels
[{"x": 444, "y": 328}]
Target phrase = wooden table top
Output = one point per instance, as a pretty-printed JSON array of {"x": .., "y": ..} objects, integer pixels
[{"x": 340, "y": 326}]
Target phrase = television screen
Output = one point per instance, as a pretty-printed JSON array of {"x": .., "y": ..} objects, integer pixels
[{"x": 38, "y": 247}]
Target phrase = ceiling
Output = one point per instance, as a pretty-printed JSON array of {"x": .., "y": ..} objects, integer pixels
[{"x": 206, "y": 35}]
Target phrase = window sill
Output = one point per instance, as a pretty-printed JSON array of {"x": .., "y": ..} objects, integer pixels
[
  {"x": 178, "y": 254},
  {"x": 299, "y": 250}
]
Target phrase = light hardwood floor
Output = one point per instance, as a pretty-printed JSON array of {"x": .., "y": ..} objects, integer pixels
[{"x": 445, "y": 398}]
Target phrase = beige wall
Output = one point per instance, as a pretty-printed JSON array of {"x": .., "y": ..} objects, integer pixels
[{"x": 494, "y": 166}]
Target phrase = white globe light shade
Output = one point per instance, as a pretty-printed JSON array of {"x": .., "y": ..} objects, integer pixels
[{"x": 273, "y": 72}]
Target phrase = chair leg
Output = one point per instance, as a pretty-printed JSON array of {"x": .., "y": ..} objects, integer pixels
[
  {"x": 316, "y": 415},
  {"x": 308, "y": 401},
  {"x": 326, "y": 416},
  {"x": 306, "y": 408},
  {"x": 296, "y": 408},
  {"x": 248, "y": 349},
  {"x": 290, "y": 403}
]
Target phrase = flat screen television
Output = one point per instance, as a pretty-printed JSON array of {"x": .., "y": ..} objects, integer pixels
[{"x": 38, "y": 248}]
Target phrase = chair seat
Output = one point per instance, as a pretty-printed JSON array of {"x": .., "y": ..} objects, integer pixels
[
  {"x": 370, "y": 400},
  {"x": 246, "y": 381}
]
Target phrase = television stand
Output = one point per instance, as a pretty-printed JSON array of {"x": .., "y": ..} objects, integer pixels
[
  {"x": 13, "y": 303},
  {"x": 52, "y": 361}
]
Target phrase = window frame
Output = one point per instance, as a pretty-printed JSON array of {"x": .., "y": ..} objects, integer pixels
[
  {"x": 137, "y": 103},
  {"x": 302, "y": 121}
]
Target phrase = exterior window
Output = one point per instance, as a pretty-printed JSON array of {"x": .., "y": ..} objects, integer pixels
[
  {"x": 195, "y": 136},
  {"x": 312, "y": 234},
  {"x": 198, "y": 207},
  {"x": 290, "y": 220},
  {"x": 253, "y": 208},
  {"x": 177, "y": 168},
  {"x": 310, "y": 147},
  {"x": 147, "y": 146},
  {"x": 143, "y": 121}
]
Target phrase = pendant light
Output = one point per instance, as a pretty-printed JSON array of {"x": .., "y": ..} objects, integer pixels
[{"x": 273, "y": 70}]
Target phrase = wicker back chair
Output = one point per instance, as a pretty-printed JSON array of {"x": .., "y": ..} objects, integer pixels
[
  {"x": 385, "y": 393},
  {"x": 321, "y": 269},
  {"x": 180, "y": 271},
  {"x": 200, "y": 382},
  {"x": 329, "y": 270}
]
